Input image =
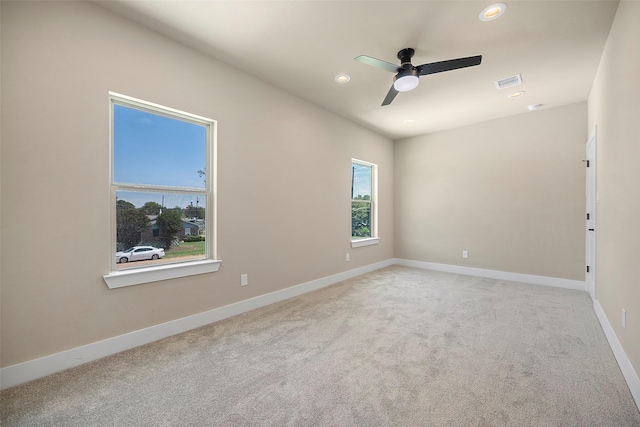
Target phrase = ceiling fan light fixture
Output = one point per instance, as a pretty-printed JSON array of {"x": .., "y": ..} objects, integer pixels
[
  {"x": 492, "y": 12},
  {"x": 406, "y": 83}
]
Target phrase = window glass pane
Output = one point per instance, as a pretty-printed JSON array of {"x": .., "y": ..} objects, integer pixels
[
  {"x": 360, "y": 182},
  {"x": 360, "y": 219},
  {"x": 174, "y": 222},
  {"x": 157, "y": 150}
]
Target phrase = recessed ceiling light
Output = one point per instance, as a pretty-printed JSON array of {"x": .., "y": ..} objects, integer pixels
[
  {"x": 534, "y": 107},
  {"x": 342, "y": 78},
  {"x": 409, "y": 122},
  {"x": 516, "y": 94},
  {"x": 492, "y": 12}
]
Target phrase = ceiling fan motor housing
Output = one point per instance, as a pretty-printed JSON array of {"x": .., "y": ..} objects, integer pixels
[{"x": 406, "y": 72}]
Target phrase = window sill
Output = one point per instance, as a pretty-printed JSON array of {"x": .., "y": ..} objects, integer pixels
[
  {"x": 137, "y": 276},
  {"x": 365, "y": 242}
]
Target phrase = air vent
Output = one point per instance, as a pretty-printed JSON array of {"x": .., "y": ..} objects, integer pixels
[{"x": 508, "y": 81}]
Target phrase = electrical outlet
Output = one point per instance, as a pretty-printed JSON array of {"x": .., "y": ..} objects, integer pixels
[
  {"x": 465, "y": 254},
  {"x": 348, "y": 257},
  {"x": 624, "y": 319},
  {"x": 244, "y": 280}
]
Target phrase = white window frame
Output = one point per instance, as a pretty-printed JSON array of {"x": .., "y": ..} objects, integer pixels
[
  {"x": 136, "y": 276},
  {"x": 375, "y": 238}
]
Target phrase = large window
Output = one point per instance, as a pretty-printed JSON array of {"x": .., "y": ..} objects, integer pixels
[
  {"x": 162, "y": 189},
  {"x": 363, "y": 203}
]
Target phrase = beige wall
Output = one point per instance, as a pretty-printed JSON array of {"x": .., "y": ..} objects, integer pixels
[
  {"x": 283, "y": 179},
  {"x": 510, "y": 191},
  {"x": 614, "y": 107}
]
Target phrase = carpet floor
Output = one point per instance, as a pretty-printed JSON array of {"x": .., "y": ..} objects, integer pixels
[{"x": 395, "y": 347}]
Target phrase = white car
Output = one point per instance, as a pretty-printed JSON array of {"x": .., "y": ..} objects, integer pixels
[{"x": 138, "y": 253}]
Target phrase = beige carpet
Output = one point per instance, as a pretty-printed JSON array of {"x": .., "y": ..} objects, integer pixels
[{"x": 396, "y": 347}]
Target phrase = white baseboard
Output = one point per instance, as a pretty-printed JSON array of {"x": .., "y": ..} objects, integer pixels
[
  {"x": 47, "y": 365},
  {"x": 624, "y": 363},
  {"x": 578, "y": 285}
]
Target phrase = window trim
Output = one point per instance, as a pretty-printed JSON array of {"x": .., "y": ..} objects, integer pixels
[
  {"x": 366, "y": 241},
  {"x": 139, "y": 275},
  {"x": 374, "y": 239}
]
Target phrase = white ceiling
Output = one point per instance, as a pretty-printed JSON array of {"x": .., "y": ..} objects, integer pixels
[{"x": 300, "y": 46}]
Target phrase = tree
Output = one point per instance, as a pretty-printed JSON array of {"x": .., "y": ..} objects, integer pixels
[
  {"x": 130, "y": 223},
  {"x": 123, "y": 204},
  {"x": 176, "y": 208},
  {"x": 192, "y": 211},
  {"x": 151, "y": 208},
  {"x": 361, "y": 217},
  {"x": 169, "y": 223}
]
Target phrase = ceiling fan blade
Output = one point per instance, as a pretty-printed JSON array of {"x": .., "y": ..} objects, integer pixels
[
  {"x": 384, "y": 65},
  {"x": 392, "y": 94},
  {"x": 451, "y": 64}
]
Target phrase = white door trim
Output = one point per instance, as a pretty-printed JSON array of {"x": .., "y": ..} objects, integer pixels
[{"x": 591, "y": 213}]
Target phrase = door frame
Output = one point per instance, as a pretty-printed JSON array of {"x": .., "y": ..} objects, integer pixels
[{"x": 591, "y": 208}]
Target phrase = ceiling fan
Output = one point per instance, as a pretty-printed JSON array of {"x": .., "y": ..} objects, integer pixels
[{"x": 407, "y": 77}]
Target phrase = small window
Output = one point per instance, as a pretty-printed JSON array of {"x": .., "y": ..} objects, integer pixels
[
  {"x": 162, "y": 161},
  {"x": 363, "y": 203}
]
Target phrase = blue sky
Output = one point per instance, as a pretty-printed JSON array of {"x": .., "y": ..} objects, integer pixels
[
  {"x": 153, "y": 149},
  {"x": 361, "y": 180}
]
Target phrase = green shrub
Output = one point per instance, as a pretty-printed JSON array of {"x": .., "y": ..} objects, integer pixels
[{"x": 193, "y": 239}]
